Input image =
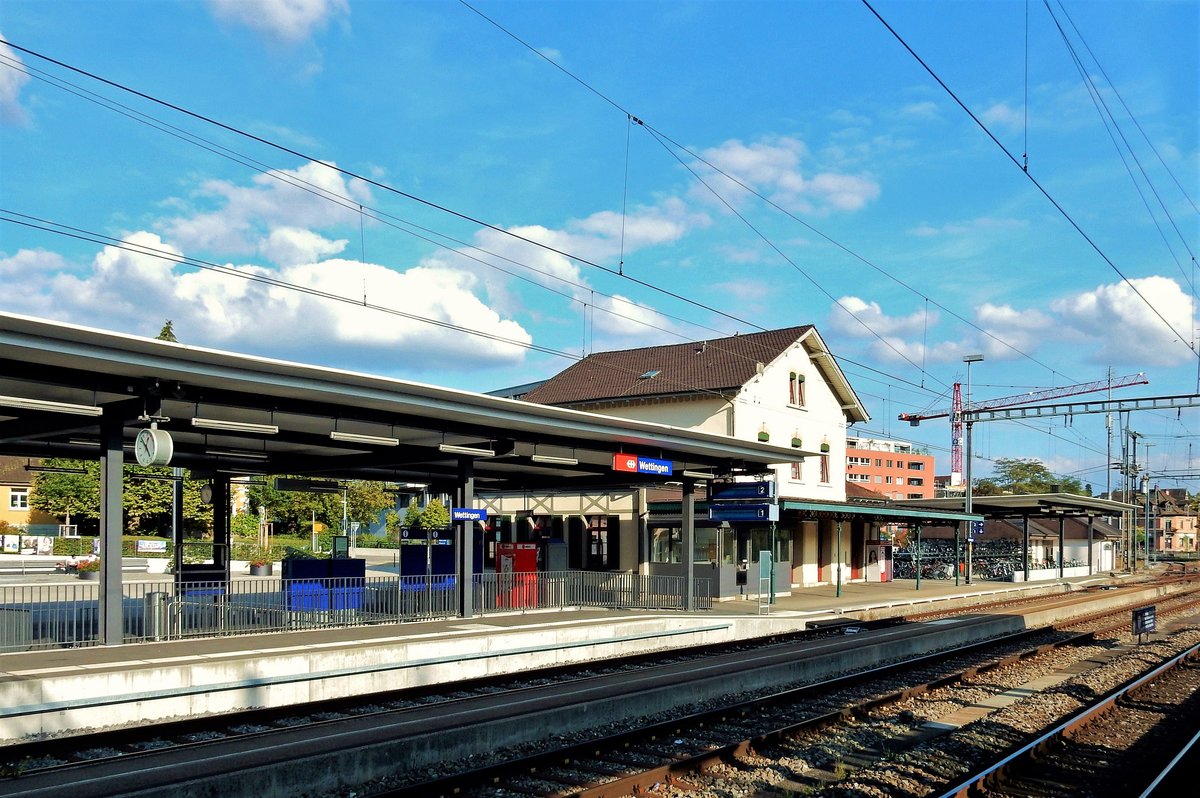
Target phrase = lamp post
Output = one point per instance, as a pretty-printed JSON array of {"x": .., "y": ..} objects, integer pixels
[{"x": 970, "y": 424}]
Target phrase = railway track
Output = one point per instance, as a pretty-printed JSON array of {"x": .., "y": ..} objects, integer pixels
[
  {"x": 244, "y": 741},
  {"x": 1118, "y": 746},
  {"x": 816, "y": 734}
]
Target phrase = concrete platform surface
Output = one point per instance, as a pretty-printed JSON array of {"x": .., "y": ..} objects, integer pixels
[{"x": 51, "y": 691}]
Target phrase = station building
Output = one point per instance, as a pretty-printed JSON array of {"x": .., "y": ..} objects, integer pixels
[{"x": 778, "y": 386}]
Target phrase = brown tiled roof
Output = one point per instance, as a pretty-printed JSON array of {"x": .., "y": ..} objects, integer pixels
[
  {"x": 854, "y": 491},
  {"x": 722, "y": 364}
]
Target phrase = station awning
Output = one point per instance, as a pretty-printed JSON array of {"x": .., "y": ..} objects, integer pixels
[{"x": 1026, "y": 504}]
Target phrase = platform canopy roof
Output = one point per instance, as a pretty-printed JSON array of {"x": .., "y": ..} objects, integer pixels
[
  {"x": 1026, "y": 504},
  {"x": 234, "y": 413}
]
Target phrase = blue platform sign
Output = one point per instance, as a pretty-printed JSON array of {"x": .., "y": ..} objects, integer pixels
[
  {"x": 976, "y": 528},
  {"x": 467, "y": 514},
  {"x": 743, "y": 512},
  {"x": 741, "y": 490}
]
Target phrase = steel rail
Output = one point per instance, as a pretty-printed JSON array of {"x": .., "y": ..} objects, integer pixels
[
  {"x": 1077, "y": 720},
  {"x": 669, "y": 772}
]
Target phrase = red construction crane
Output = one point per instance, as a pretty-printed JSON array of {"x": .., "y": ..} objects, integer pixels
[{"x": 955, "y": 412}]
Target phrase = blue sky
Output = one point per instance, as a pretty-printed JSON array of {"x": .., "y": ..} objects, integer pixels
[{"x": 882, "y": 212}]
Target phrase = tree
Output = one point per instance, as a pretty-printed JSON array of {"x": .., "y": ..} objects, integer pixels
[
  {"x": 167, "y": 333},
  {"x": 74, "y": 494},
  {"x": 412, "y": 516},
  {"x": 295, "y": 510},
  {"x": 1025, "y": 475},
  {"x": 435, "y": 515}
]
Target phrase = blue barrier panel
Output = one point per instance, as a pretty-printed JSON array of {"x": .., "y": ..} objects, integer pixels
[{"x": 304, "y": 596}]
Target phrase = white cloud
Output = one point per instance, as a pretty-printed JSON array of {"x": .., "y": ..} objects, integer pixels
[
  {"x": 245, "y": 216},
  {"x": 1002, "y": 114},
  {"x": 773, "y": 167},
  {"x": 872, "y": 316},
  {"x": 1126, "y": 327},
  {"x": 622, "y": 316},
  {"x": 977, "y": 226},
  {"x": 133, "y": 290},
  {"x": 1022, "y": 330},
  {"x": 596, "y": 238},
  {"x": 286, "y": 21},
  {"x": 12, "y": 80},
  {"x": 290, "y": 245},
  {"x": 926, "y": 109}
]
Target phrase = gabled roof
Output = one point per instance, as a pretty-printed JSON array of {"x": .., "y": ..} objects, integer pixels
[{"x": 722, "y": 365}]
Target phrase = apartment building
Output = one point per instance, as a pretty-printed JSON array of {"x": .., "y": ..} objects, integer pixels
[{"x": 894, "y": 468}]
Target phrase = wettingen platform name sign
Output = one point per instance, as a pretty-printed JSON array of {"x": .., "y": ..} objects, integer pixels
[
  {"x": 642, "y": 465},
  {"x": 467, "y": 514}
]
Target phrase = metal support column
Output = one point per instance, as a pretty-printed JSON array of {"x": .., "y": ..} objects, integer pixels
[
  {"x": 957, "y": 551},
  {"x": 464, "y": 538},
  {"x": 112, "y": 464},
  {"x": 688, "y": 531},
  {"x": 839, "y": 558},
  {"x": 1025, "y": 545},
  {"x": 1091, "y": 521},
  {"x": 222, "y": 535},
  {"x": 1062, "y": 544},
  {"x": 1146, "y": 490},
  {"x": 177, "y": 517},
  {"x": 918, "y": 557}
]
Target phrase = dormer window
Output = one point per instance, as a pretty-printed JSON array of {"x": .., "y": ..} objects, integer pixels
[
  {"x": 796, "y": 389},
  {"x": 651, "y": 374}
]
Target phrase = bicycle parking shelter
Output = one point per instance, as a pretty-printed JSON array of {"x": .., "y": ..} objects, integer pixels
[
  {"x": 1040, "y": 506},
  {"x": 68, "y": 391}
]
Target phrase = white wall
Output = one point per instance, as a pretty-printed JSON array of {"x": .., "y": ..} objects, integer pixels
[{"x": 763, "y": 402}]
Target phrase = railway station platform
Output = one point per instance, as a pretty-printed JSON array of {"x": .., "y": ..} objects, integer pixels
[{"x": 60, "y": 690}]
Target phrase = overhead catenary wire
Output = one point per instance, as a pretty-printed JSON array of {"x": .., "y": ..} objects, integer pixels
[
  {"x": 1113, "y": 128},
  {"x": 407, "y": 226},
  {"x": 1128, "y": 110},
  {"x": 1036, "y": 183},
  {"x": 755, "y": 192},
  {"x": 378, "y": 184},
  {"x": 345, "y": 201}
]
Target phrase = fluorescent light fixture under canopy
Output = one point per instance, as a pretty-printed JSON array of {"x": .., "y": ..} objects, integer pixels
[
  {"x": 238, "y": 454},
  {"x": 450, "y": 448},
  {"x": 354, "y": 437},
  {"x": 550, "y": 459},
  {"x": 235, "y": 426},
  {"x": 46, "y": 406}
]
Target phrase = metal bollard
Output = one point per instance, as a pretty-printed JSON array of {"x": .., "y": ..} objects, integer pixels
[{"x": 154, "y": 615}]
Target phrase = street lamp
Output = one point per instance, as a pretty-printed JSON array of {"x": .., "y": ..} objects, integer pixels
[{"x": 970, "y": 424}]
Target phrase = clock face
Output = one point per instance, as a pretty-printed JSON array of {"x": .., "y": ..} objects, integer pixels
[
  {"x": 153, "y": 447},
  {"x": 206, "y": 492}
]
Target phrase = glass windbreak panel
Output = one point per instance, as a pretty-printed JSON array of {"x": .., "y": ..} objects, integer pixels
[
  {"x": 760, "y": 540},
  {"x": 783, "y": 546},
  {"x": 706, "y": 544},
  {"x": 728, "y": 546},
  {"x": 664, "y": 544}
]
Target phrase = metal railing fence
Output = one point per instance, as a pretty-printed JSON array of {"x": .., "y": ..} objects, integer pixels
[{"x": 54, "y": 615}]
